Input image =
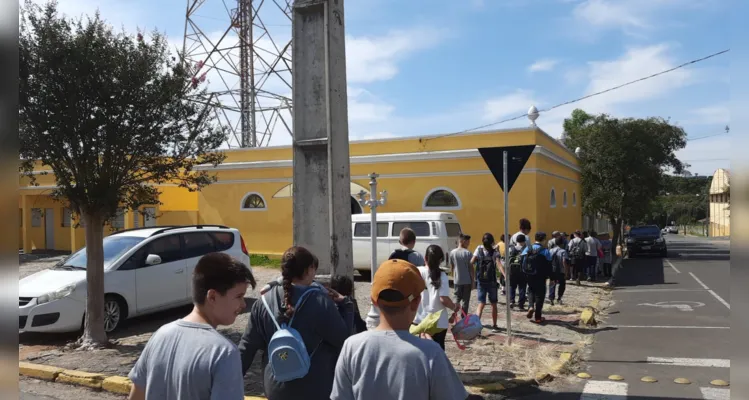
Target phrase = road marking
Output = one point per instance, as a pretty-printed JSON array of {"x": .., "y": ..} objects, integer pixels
[
  {"x": 670, "y": 264},
  {"x": 691, "y": 362},
  {"x": 658, "y": 290},
  {"x": 604, "y": 390},
  {"x": 679, "y": 305},
  {"x": 669, "y": 327},
  {"x": 712, "y": 292},
  {"x": 709, "y": 393}
]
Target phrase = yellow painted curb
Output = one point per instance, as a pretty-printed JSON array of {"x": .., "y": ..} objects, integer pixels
[
  {"x": 616, "y": 378},
  {"x": 117, "y": 384},
  {"x": 584, "y": 375},
  {"x": 648, "y": 379},
  {"x": 80, "y": 378},
  {"x": 38, "y": 371},
  {"x": 588, "y": 317},
  {"x": 682, "y": 381},
  {"x": 254, "y": 398},
  {"x": 719, "y": 382}
]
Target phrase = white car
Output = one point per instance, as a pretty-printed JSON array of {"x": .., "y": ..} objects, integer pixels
[{"x": 145, "y": 270}]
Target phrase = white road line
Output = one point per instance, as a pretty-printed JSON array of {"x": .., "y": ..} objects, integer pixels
[
  {"x": 604, "y": 390},
  {"x": 712, "y": 292},
  {"x": 710, "y": 393},
  {"x": 670, "y": 264},
  {"x": 668, "y": 327},
  {"x": 659, "y": 290},
  {"x": 691, "y": 362}
]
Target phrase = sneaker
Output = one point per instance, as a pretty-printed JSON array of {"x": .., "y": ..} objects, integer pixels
[
  {"x": 503, "y": 292},
  {"x": 495, "y": 329},
  {"x": 530, "y": 313},
  {"x": 551, "y": 302},
  {"x": 512, "y": 306},
  {"x": 559, "y": 301}
]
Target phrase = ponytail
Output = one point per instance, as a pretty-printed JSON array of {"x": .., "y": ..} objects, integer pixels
[
  {"x": 294, "y": 264},
  {"x": 435, "y": 256}
]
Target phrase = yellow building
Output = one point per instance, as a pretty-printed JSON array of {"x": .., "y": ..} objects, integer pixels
[
  {"x": 437, "y": 173},
  {"x": 720, "y": 202}
]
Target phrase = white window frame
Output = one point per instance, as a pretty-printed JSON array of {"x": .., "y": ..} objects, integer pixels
[
  {"x": 447, "y": 189},
  {"x": 564, "y": 199},
  {"x": 553, "y": 198},
  {"x": 246, "y": 196}
]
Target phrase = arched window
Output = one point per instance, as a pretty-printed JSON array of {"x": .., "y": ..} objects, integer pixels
[
  {"x": 553, "y": 201},
  {"x": 574, "y": 199},
  {"x": 442, "y": 198},
  {"x": 253, "y": 202},
  {"x": 564, "y": 199}
]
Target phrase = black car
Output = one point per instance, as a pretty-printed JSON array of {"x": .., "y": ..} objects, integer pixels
[{"x": 646, "y": 240}]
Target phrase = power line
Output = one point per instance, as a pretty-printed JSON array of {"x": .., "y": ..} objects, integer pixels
[
  {"x": 707, "y": 136},
  {"x": 707, "y": 159},
  {"x": 587, "y": 96}
]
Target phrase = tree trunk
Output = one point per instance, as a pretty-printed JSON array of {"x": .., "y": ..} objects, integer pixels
[{"x": 94, "y": 335}]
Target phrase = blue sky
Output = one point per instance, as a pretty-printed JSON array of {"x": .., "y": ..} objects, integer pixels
[{"x": 423, "y": 67}]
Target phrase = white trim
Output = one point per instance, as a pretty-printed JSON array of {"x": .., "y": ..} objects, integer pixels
[
  {"x": 691, "y": 362},
  {"x": 383, "y": 158},
  {"x": 424, "y": 205},
  {"x": 397, "y": 176},
  {"x": 564, "y": 199},
  {"x": 246, "y": 196},
  {"x": 53, "y": 187},
  {"x": 553, "y": 198}
]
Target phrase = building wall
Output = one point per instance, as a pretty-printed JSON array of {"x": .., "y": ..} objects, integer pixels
[{"x": 720, "y": 201}]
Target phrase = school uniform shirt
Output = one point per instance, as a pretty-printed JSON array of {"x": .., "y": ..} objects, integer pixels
[
  {"x": 593, "y": 245},
  {"x": 430, "y": 299}
]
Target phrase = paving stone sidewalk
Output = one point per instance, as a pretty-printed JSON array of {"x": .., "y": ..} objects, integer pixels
[{"x": 487, "y": 358}]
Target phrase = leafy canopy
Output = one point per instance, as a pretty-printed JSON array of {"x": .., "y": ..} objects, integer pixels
[
  {"x": 108, "y": 113},
  {"x": 623, "y": 161}
]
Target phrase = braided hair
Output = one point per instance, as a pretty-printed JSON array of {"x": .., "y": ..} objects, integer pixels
[
  {"x": 435, "y": 256},
  {"x": 294, "y": 264}
]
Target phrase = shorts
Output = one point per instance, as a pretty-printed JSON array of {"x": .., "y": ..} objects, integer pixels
[{"x": 487, "y": 289}]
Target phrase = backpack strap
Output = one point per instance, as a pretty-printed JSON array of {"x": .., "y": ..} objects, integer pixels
[
  {"x": 270, "y": 312},
  {"x": 302, "y": 300}
]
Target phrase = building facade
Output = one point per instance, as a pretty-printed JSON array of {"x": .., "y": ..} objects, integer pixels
[
  {"x": 720, "y": 202},
  {"x": 253, "y": 191}
]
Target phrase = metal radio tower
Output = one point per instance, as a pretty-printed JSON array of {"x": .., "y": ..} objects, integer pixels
[{"x": 243, "y": 49}]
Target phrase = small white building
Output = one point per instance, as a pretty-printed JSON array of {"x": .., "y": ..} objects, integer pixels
[{"x": 720, "y": 204}]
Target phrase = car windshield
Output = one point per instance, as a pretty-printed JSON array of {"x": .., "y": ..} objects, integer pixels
[
  {"x": 114, "y": 248},
  {"x": 644, "y": 231}
]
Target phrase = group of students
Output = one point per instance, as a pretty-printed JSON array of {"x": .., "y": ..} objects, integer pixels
[
  {"x": 307, "y": 334},
  {"x": 531, "y": 266}
]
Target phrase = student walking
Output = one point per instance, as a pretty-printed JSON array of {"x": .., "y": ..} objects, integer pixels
[
  {"x": 436, "y": 296},
  {"x": 323, "y": 320},
  {"x": 606, "y": 246},
  {"x": 558, "y": 278},
  {"x": 525, "y": 230},
  {"x": 501, "y": 247},
  {"x": 486, "y": 259},
  {"x": 577, "y": 249},
  {"x": 592, "y": 255},
  {"x": 459, "y": 261},
  {"x": 537, "y": 268},
  {"x": 407, "y": 252},
  {"x": 188, "y": 359},
  {"x": 518, "y": 282},
  {"x": 389, "y": 362}
]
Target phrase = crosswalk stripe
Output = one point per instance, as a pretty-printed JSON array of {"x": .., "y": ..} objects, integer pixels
[
  {"x": 691, "y": 362},
  {"x": 604, "y": 390},
  {"x": 709, "y": 393}
]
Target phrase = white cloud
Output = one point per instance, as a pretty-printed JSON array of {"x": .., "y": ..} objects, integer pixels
[
  {"x": 715, "y": 114},
  {"x": 543, "y": 65},
  {"x": 371, "y": 59},
  {"x": 706, "y": 155},
  {"x": 509, "y": 105}
]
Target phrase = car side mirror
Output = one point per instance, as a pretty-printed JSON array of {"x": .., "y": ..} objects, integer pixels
[{"x": 153, "y": 259}]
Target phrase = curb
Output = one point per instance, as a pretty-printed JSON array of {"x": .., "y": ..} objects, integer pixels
[
  {"x": 501, "y": 385},
  {"x": 564, "y": 360},
  {"x": 113, "y": 384}
]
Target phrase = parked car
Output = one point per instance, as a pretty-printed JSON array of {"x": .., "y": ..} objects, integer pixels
[
  {"x": 439, "y": 228},
  {"x": 145, "y": 270},
  {"x": 672, "y": 229},
  {"x": 646, "y": 239}
]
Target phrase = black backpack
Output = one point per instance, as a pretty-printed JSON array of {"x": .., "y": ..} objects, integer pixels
[
  {"x": 401, "y": 254},
  {"x": 576, "y": 252},
  {"x": 516, "y": 265},
  {"x": 535, "y": 262},
  {"x": 557, "y": 265},
  {"x": 487, "y": 268}
]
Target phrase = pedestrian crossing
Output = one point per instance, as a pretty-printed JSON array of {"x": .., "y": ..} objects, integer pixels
[{"x": 609, "y": 390}]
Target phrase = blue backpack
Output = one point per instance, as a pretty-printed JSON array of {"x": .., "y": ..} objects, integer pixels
[{"x": 287, "y": 353}]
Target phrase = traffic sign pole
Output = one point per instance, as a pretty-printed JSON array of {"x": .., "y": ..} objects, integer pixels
[{"x": 507, "y": 247}]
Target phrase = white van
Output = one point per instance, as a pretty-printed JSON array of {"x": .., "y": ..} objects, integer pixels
[{"x": 440, "y": 228}]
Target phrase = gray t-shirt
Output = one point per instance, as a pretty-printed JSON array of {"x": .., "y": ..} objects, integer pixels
[
  {"x": 394, "y": 365},
  {"x": 460, "y": 261},
  {"x": 189, "y": 361}
]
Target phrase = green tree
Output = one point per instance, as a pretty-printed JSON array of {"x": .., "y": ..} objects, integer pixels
[
  {"x": 109, "y": 114},
  {"x": 622, "y": 162}
]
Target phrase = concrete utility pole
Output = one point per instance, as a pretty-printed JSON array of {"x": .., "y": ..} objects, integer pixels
[
  {"x": 373, "y": 316},
  {"x": 322, "y": 182}
]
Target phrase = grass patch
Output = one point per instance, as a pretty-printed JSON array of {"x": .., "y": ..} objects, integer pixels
[{"x": 262, "y": 260}]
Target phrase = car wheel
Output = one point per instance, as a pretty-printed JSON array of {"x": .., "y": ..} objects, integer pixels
[
  {"x": 664, "y": 253},
  {"x": 114, "y": 313}
]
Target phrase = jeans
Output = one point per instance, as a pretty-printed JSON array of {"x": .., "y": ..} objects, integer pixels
[
  {"x": 440, "y": 338},
  {"x": 463, "y": 296},
  {"x": 592, "y": 265},
  {"x": 557, "y": 278},
  {"x": 487, "y": 289},
  {"x": 518, "y": 284},
  {"x": 607, "y": 270},
  {"x": 537, "y": 289}
]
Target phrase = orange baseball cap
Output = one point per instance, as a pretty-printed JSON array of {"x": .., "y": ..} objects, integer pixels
[{"x": 398, "y": 275}]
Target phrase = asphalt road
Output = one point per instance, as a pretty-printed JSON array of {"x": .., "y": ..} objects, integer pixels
[{"x": 670, "y": 320}]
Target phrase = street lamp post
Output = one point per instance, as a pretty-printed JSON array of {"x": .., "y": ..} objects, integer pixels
[{"x": 373, "y": 316}]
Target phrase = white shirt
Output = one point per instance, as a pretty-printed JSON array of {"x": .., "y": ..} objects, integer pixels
[
  {"x": 430, "y": 299},
  {"x": 593, "y": 245}
]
